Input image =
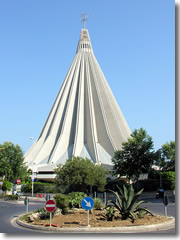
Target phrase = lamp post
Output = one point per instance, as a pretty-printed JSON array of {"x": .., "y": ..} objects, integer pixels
[
  {"x": 1, "y": 182},
  {"x": 32, "y": 179},
  {"x": 32, "y": 176}
]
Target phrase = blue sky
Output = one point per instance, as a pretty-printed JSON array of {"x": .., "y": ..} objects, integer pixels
[{"x": 133, "y": 41}]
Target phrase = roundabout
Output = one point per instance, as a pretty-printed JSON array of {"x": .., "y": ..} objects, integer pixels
[{"x": 169, "y": 224}]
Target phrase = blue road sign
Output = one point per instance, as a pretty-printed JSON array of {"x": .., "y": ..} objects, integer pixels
[
  {"x": 87, "y": 203},
  {"x": 32, "y": 178}
]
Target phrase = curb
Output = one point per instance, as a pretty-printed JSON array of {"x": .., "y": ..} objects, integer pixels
[
  {"x": 130, "y": 229},
  {"x": 16, "y": 202}
]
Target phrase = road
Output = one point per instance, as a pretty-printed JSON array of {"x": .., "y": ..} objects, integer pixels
[
  {"x": 10, "y": 210},
  {"x": 157, "y": 206}
]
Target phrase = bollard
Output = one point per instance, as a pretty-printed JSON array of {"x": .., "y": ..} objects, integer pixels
[
  {"x": 26, "y": 203},
  {"x": 165, "y": 201}
]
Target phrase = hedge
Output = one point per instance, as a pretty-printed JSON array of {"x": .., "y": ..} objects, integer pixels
[
  {"x": 39, "y": 187},
  {"x": 168, "y": 182},
  {"x": 9, "y": 197}
]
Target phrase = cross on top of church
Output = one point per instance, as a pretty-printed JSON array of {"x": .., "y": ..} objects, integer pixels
[{"x": 84, "y": 17}]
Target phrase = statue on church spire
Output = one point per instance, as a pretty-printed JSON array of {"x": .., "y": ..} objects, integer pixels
[{"x": 83, "y": 18}]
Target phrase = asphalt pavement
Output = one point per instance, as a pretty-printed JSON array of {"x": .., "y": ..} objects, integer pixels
[
  {"x": 11, "y": 210},
  {"x": 157, "y": 206}
]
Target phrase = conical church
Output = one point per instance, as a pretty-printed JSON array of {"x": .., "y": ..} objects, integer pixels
[{"x": 85, "y": 119}]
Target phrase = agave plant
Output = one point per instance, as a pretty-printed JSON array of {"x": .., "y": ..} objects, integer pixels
[
  {"x": 110, "y": 213},
  {"x": 127, "y": 204}
]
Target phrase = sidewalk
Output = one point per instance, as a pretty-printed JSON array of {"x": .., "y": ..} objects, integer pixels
[{"x": 34, "y": 198}]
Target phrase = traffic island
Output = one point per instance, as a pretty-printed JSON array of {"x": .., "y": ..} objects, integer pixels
[{"x": 76, "y": 221}]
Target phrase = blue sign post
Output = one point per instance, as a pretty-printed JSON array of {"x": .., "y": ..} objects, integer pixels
[{"x": 87, "y": 203}]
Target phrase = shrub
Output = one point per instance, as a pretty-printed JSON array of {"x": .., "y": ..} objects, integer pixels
[
  {"x": 110, "y": 213},
  {"x": 168, "y": 180},
  {"x": 152, "y": 184},
  {"x": 39, "y": 187},
  {"x": 44, "y": 214},
  {"x": 6, "y": 186},
  {"x": 24, "y": 217},
  {"x": 127, "y": 205},
  {"x": 98, "y": 204},
  {"x": 147, "y": 184},
  {"x": 75, "y": 199},
  {"x": 141, "y": 213},
  {"x": 62, "y": 202},
  {"x": 2, "y": 196},
  {"x": 9, "y": 197},
  {"x": 27, "y": 188}
]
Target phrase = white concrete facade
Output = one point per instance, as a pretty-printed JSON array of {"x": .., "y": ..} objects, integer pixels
[{"x": 85, "y": 119}]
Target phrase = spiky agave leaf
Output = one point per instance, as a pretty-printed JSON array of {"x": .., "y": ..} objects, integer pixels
[
  {"x": 120, "y": 191},
  {"x": 144, "y": 209},
  {"x": 125, "y": 192},
  {"x": 134, "y": 206},
  {"x": 130, "y": 195},
  {"x": 118, "y": 197},
  {"x": 122, "y": 197},
  {"x": 133, "y": 215},
  {"x": 140, "y": 191},
  {"x": 135, "y": 198}
]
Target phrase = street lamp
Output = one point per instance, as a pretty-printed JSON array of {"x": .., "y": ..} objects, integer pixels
[
  {"x": 32, "y": 179},
  {"x": 1, "y": 183},
  {"x": 32, "y": 176}
]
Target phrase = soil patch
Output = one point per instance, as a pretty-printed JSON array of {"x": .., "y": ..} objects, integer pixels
[{"x": 78, "y": 218}]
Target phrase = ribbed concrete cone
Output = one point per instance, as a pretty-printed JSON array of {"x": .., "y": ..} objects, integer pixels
[{"x": 85, "y": 119}]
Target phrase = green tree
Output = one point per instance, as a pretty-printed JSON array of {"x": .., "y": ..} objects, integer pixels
[
  {"x": 12, "y": 164},
  {"x": 168, "y": 180},
  {"x": 166, "y": 157},
  {"x": 6, "y": 186},
  {"x": 80, "y": 174},
  {"x": 136, "y": 157}
]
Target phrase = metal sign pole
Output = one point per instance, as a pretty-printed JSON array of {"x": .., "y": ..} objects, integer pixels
[
  {"x": 50, "y": 218},
  {"x": 165, "y": 209},
  {"x": 88, "y": 218},
  {"x": 32, "y": 187},
  {"x": 87, "y": 203},
  {"x": 27, "y": 206}
]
